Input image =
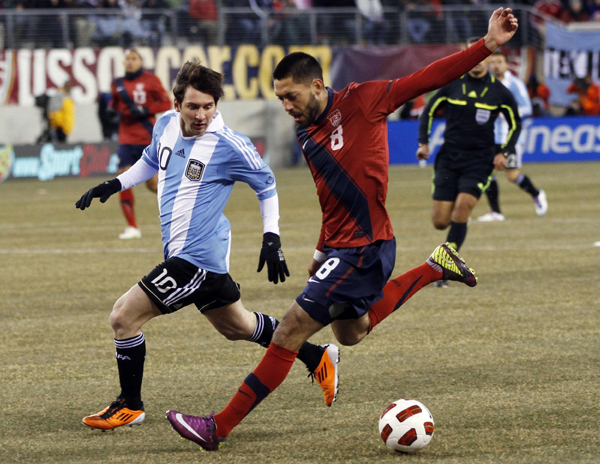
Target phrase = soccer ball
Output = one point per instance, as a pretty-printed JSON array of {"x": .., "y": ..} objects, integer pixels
[{"x": 406, "y": 426}]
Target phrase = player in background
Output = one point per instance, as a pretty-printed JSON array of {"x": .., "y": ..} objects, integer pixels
[
  {"x": 137, "y": 96},
  {"x": 198, "y": 159},
  {"x": 514, "y": 161},
  {"x": 465, "y": 162},
  {"x": 344, "y": 140}
]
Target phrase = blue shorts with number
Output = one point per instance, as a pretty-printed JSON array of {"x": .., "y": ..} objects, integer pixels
[
  {"x": 129, "y": 154},
  {"x": 348, "y": 282}
]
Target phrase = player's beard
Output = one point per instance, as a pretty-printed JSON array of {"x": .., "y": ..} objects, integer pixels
[{"x": 312, "y": 112}]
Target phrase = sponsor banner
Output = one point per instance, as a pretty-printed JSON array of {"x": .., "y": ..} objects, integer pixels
[
  {"x": 248, "y": 69},
  {"x": 546, "y": 140},
  {"x": 48, "y": 161},
  {"x": 569, "y": 54}
]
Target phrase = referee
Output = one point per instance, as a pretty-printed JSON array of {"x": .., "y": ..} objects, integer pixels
[{"x": 466, "y": 161}]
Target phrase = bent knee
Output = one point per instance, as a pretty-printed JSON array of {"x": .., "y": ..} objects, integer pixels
[
  {"x": 233, "y": 333},
  {"x": 349, "y": 339},
  {"x": 440, "y": 224}
]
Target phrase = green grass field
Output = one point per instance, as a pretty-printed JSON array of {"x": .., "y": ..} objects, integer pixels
[{"x": 509, "y": 369}]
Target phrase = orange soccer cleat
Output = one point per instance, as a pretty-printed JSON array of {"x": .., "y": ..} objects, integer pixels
[
  {"x": 115, "y": 415},
  {"x": 326, "y": 373}
]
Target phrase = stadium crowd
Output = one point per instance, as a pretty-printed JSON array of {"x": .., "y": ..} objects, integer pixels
[{"x": 122, "y": 22}]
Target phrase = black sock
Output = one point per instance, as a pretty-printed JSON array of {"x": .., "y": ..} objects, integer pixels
[
  {"x": 493, "y": 195},
  {"x": 308, "y": 353},
  {"x": 457, "y": 234},
  {"x": 131, "y": 353},
  {"x": 525, "y": 183}
]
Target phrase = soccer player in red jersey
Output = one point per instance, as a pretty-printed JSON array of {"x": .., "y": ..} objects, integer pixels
[
  {"x": 137, "y": 96},
  {"x": 344, "y": 140}
]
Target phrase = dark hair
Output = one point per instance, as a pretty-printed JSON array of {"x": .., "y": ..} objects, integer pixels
[
  {"x": 200, "y": 78},
  {"x": 301, "y": 67},
  {"x": 499, "y": 53}
]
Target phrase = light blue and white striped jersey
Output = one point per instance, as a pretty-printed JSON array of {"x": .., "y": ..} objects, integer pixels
[
  {"x": 519, "y": 90},
  {"x": 195, "y": 178}
]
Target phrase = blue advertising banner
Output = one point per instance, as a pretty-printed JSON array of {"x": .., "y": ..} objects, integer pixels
[
  {"x": 569, "y": 54},
  {"x": 546, "y": 140}
]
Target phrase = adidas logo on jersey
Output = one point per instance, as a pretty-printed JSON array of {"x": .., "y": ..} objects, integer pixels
[{"x": 180, "y": 153}]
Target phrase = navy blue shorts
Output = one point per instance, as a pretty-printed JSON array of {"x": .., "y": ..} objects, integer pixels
[
  {"x": 348, "y": 282},
  {"x": 129, "y": 154}
]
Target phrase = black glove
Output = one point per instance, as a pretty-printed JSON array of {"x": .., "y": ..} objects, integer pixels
[
  {"x": 271, "y": 254},
  {"x": 102, "y": 191},
  {"x": 139, "y": 112}
]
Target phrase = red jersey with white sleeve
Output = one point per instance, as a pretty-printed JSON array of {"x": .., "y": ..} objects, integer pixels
[
  {"x": 143, "y": 90},
  {"x": 347, "y": 149}
]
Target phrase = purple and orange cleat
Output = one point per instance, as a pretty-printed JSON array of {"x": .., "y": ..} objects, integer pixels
[{"x": 200, "y": 430}]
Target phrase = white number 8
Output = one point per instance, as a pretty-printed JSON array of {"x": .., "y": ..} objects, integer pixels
[
  {"x": 327, "y": 267},
  {"x": 337, "y": 138}
]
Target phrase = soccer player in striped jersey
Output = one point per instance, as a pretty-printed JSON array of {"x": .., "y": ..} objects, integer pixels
[
  {"x": 198, "y": 159},
  {"x": 514, "y": 161},
  {"x": 344, "y": 140}
]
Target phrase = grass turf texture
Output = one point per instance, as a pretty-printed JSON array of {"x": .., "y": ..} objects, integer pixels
[{"x": 509, "y": 369}]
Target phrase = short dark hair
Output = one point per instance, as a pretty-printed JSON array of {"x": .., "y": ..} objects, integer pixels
[
  {"x": 499, "y": 53},
  {"x": 301, "y": 67},
  {"x": 200, "y": 78}
]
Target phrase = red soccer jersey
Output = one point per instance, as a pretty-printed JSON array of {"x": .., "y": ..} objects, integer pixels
[
  {"x": 347, "y": 149},
  {"x": 145, "y": 90}
]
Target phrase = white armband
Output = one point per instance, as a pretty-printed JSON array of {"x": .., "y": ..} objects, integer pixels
[
  {"x": 270, "y": 214},
  {"x": 140, "y": 172},
  {"x": 319, "y": 256}
]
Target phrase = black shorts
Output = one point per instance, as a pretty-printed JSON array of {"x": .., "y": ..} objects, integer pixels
[
  {"x": 176, "y": 283},
  {"x": 129, "y": 154},
  {"x": 461, "y": 172}
]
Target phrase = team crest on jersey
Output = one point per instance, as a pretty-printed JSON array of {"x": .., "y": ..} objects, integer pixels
[
  {"x": 194, "y": 170},
  {"x": 482, "y": 116},
  {"x": 335, "y": 118}
]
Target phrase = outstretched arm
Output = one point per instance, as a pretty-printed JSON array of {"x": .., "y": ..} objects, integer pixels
[{"x": 502, "y": 26}]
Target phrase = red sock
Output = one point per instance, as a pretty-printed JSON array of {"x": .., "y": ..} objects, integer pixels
[
  {"x": 397, "y": 291},
  {"x": 267, "y": 376},
  {"x": 127, "y": 203}
]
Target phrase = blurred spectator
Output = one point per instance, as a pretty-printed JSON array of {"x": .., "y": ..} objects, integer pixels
[
  {"x": 242, "y": 27},
  {"x": 286, "y": 28},
  {"x": 459, "y": 21},
  {"x": 588, "y": 97},
  {"x": 594, "y": 10},
  {"x": 106, "y": 26},
  {"x": 122, "y": 29},
  {"x": 551, "y": 8},
  {"x": 206, "y": 25},
  {"x": 374, "y": 27},
  {"x": 50, "y": 26},
  {"x": 155, "y": 22},
  {"x": 575, "y": 11},
  {"x": 539, "y": 94},
  {"x": 419, "y": 23}
]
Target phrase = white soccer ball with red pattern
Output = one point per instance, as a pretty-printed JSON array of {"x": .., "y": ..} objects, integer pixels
[{"x": 406, "y": 426}]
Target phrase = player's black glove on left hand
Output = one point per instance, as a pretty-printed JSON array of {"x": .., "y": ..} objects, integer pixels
[
  {"x": 139, "y": 112},
  {"x": 102, "y": 191},
  {"x": 271, "y": 254}
]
